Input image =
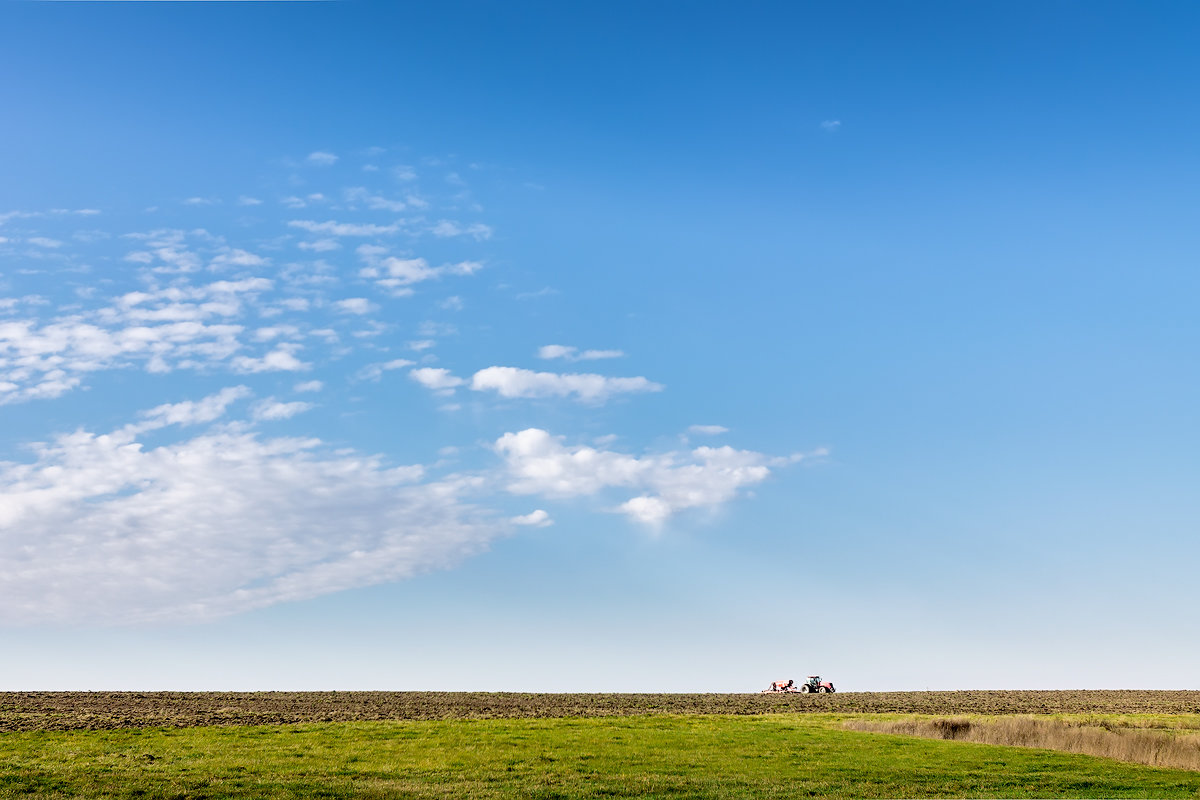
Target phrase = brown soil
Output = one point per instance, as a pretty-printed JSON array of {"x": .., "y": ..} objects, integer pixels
[{"x": 100, "y": 710}]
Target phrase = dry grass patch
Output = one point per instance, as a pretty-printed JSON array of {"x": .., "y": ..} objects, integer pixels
[{"x": 1092, "y": 736}]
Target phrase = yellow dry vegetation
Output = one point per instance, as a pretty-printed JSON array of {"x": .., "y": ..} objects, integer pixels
[{"x": 1123, "y": 740}]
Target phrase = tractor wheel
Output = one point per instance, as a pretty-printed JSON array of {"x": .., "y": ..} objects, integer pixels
[
  {"x": 822, "y": 689},
  {"x": 804, "y": 689}
]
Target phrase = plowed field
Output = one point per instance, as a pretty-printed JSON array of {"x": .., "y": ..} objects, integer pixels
[{"x": 105, "y": 710}]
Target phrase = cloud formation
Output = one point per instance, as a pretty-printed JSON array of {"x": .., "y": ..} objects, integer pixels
[
  {"x": 534, "y": 519},
  {"x": 587, "y": 388},
  {"x": 109, "y": 528},
  {"x": 179, "y": 316},
  {"x": 539, "y": 463},
  {"x": 436, "y": 378},
  {"x": 707, "y": 430},
  {"x": 192, "y": 510},
  {"x": 101, "y": 527},
  {"x": 552, "y": 351},
  {"x": 397, "y": 275},
  {"x": 322, "y": 159}
]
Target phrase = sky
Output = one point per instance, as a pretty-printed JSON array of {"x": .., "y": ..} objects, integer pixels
[{"x": 612, "y": 346}]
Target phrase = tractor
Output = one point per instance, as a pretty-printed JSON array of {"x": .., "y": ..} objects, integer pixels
[{"x": 814, "y": 684}]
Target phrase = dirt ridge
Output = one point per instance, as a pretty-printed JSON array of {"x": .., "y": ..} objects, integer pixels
[{"x": 25, "y": 711}]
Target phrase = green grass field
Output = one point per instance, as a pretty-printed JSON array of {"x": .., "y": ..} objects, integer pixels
[{"x": 781, "y": 755}]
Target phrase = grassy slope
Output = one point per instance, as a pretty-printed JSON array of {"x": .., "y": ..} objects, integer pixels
[{"x": 683, "y": 756}]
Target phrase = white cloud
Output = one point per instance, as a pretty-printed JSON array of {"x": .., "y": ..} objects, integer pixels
[
  {"x": 272, "y": 409},
  {"x": 436, "y": 378},
  {"x": 320, "y": 245},
  {"x": 269, "y": 333},
  {"x": 322, "y": 159},
  {"x": 394, "y": 271},
  {"x": 551, "y": 351},
  {"x": 355, "y": 305},
  {"x": 334, "y": 228},
  {"x": 538, "y": 463},
  {"x": 43, "y": 360},
  {"x": 535, "y": 519},
  {"x": 281, "y": 359},
  {"x": 462, "y": 268},
  {"x": 233, "y": 257},
  {"x": 448, "y": 228},
  {"x": 707, "y": 430},
  {"x": 568, "y": 353},
  {"x": 308, "y": 386},
  {"x": 397, "y": 274},
  {"x": 368, "y": 252},
  {"x": 249, "y": 201},
  {"x": 189, "y": 412},
  {"x": 375, "y": 202},
  {"x": 170, "y": 247},
  {"x": 42, "y": 241},
  {"x": 831, "y": 125},
  {"x": 102, "y": 528},
  {"x": 430, "y": 328},
  {"x": 373, "y": 372},
  {"x": 587, "y": 388},
  {"x": 593, "y": 355}
]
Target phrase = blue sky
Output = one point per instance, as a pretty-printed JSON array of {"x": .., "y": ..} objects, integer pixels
[{"x": 616, "y": 346}]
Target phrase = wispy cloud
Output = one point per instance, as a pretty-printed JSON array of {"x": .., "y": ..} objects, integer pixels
[
  {"x": 198, "y": 510},
  {"x": 281, "y": 359},
  {"x": 447, "y": 228},
  {"x": 707, "y": 430},
  {"x": 334, "y": 228},
  {"x": 322, "y": 159},
  {"x": 102, "y": 527},
  {"x": 514, "y": 382},
  {"x": 271, "y": 409},
  {"x": 373, "y": 372},
  {"x": 398, "y": 274},
  {"x": 435, "y": 378},
  {"x": 567, "y": 353},
  {"x": 355, "y": 305},
  {"x": 534, "y": 519}
]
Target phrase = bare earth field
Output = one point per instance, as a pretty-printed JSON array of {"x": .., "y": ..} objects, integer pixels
[{"x": 41, "y": 711}]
